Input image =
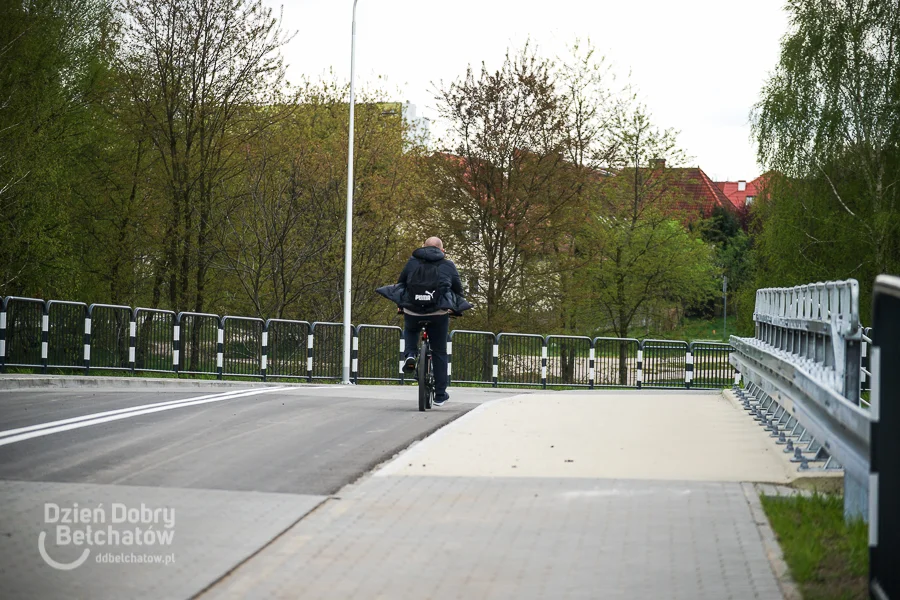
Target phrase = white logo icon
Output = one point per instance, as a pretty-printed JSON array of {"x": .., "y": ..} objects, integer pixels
[
  {"x": 58, "y": 565},
  {"x": 427, "y": 296}
]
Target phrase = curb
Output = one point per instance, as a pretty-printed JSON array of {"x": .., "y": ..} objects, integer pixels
[{"x": 789, "y": 589}]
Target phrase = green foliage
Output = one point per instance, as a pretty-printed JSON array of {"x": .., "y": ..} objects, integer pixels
[
  {"x": 827, "y": 122},
  {"x": 53, "y": 56},
  {"x": 828, "y": 557},
  {"x": 167, "y": 164},
  {"x": 641, "y": 264},
  {"x": 281, "y": 249}
]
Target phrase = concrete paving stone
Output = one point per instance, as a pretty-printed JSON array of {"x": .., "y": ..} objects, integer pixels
[
  {"x": 462, "y": 537},
  {"x": 213, "y": 530}
]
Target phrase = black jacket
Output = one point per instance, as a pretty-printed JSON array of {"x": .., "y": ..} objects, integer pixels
[{"x": 450, "y": 285}]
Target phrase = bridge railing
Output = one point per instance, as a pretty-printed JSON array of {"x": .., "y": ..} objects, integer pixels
[
  {"x": 802, "y": 370},
  {"x": 884, "y": 469},
  {"x": 38, "y": 334}
]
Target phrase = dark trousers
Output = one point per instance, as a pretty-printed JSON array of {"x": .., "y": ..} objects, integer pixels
[{"x": 438, "y": 328}]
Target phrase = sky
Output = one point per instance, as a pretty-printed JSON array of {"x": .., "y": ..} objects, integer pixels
[{"x": 697, "y": 65}]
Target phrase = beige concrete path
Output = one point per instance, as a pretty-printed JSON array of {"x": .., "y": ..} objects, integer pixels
[
  {"x": 550, "y": 496},
  {"x": 654, "y": 435}
]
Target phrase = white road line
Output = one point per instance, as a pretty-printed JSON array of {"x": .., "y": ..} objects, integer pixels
[
  {"x": 107, "y": 413},
  {"x": 12, "y": 436}
]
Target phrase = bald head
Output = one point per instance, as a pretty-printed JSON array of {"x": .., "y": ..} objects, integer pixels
[{"x": 435, "y": 241}]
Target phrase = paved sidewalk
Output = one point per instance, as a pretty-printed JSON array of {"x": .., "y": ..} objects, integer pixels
[{"x": 486, "y": 508}]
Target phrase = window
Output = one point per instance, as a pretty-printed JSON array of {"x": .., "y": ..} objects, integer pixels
[{"x": 749, "y": 200}]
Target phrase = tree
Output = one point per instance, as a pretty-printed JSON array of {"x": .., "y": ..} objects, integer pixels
[
  {"x": 505, "y": 186},
  {"x": 197, "y": 69},
  {"x": 284, "y": 240},
  {"x": 54, "y": 55},
  {"x": 828, "y": 122},
  {"x": 640, "y": 259}
]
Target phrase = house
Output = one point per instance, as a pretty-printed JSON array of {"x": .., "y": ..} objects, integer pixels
[
  {"x": 742, "y": 193},
  {"x": 691, "y": 192}
]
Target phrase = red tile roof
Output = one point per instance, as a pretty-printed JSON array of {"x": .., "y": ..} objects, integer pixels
[
  {"x": 739, "y": 197},
  {"x": 700, "y": 193}
]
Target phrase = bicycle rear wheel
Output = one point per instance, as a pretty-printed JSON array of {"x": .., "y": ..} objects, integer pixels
[{"x": 422, "y": 368}]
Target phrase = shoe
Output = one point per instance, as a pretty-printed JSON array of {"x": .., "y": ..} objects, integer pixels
[
  {"x": 409, "y": 366},
  {"x": 440, "y": 399}
]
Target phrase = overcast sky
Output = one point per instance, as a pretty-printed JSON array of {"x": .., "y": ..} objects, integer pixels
[{"x": 698, "y": 65}]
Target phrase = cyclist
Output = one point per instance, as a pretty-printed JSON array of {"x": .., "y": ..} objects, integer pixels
[{"x": 433, "y": 291}]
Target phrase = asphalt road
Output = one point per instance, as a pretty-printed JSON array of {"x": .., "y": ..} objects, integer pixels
[
  {"x": 237, "y": 466},
  {"x": 302, "y": 440}
]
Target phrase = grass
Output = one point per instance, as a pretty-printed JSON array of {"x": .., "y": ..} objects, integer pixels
[{"x": 828, "y": 557}]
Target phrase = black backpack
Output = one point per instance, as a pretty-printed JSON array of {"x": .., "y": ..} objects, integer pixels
[{"x": 422, "y": 286}]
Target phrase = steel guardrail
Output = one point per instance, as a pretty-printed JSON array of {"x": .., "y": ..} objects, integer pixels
[{"x": 805, "y": 364}]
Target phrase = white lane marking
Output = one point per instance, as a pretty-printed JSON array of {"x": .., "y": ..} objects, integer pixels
[
  {"x": 118, "y": 411},
  {"x": 26, "y": 433}
]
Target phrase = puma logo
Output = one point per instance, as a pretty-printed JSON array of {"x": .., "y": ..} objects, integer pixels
[{"x": 426, "y": 297}]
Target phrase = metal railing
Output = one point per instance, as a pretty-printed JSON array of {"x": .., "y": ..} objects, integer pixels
[
  {"x": 36, "y": 334},
  {"x": 472, "y": 357},
  {"x": 803, "y": 373},
  {"x": 286, "y": 349},
  {"x": 380, "y": 345},
  {"x": 884, "y": 469}
]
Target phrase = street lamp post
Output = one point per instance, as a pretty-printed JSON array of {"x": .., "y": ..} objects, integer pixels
[{"x": 348, "y": 244}]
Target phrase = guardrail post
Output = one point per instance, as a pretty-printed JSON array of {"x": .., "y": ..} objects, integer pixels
[
  {"x": 45, "y": 335},
  {"x": 176, "y": 343},
  {"x": 309, "y": 353},
  {"x": 354, "y": 354},
  {"x": 640, "y": 364},
  {"x": 220, "y": 348},
  {"x": 265, "y": 351},
  {"x": 132, "y": 339},
  {"x": 87, "y": 340},
  {"x": 884, "y": 470},
  {"x": 689, "y": 367},
  {"x": 543, "y": 363},
  {"x": 3, "y": 335},
  {"x": 591, "y": 366},
  {"x": 495, "y": 371}
]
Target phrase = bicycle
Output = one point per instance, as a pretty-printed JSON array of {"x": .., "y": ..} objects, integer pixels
[{"x": 425, "y": 369}]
